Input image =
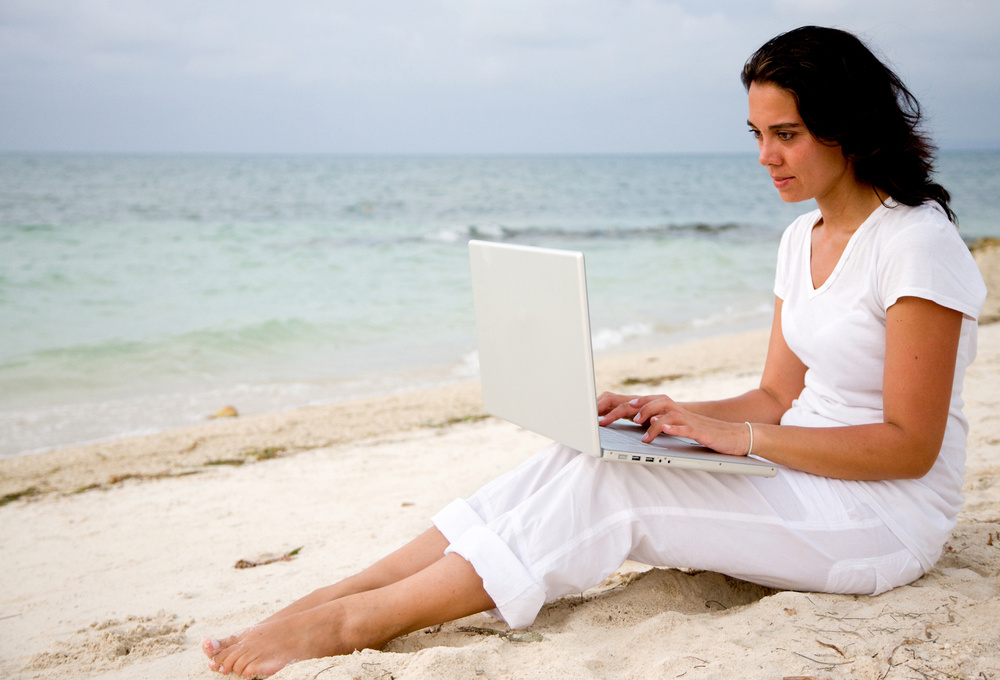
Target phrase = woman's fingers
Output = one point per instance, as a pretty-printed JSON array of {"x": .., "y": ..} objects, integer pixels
[
  {"x": 651, "y": 406},
  {"x": 662, "y": 415},
  {"x": 718, "y": 435},
  {"x": 658, "y": 425},
  {"x": 611, "y": 407}
]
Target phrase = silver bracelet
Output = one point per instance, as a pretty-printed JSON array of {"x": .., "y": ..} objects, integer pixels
[{"x": 747, "y": 423}]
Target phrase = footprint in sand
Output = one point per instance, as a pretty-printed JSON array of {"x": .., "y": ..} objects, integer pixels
[{"x": 116, "y": 643}]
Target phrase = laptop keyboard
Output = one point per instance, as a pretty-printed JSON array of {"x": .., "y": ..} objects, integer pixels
[{"x": 626, "y": 437}]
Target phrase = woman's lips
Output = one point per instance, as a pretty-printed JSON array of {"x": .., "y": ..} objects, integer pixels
[{"x": 781, "y": 182}]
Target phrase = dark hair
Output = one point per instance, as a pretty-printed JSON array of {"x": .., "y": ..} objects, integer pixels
[{"x": 846, "y": 96}]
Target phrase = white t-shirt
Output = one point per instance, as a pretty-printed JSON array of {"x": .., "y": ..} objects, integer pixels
[{"x": 838, "y": 331}]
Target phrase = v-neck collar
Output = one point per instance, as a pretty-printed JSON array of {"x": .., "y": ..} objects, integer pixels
[{"x": 844, "y": 256}]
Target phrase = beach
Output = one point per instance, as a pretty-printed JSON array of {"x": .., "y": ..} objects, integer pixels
[{"x": 120, "y": 557}]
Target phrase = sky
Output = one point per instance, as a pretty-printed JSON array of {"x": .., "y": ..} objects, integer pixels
[{"x": 451, "y": 76}]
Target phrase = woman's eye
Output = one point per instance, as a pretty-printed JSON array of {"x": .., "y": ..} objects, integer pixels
[
  {"x": 755, "y": 133},
  {"x": 785, "y": 136}
]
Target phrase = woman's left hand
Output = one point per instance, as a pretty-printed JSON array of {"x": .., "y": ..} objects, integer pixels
[{"x": 662, "y": 415}]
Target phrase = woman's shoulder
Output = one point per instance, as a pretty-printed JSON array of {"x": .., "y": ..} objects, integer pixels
[
  {"x": 919, "y": 251},
  {"x": 922, "y": 231},
  {"x": 895, "y": 219}
]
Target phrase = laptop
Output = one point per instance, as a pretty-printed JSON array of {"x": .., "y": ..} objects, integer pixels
[{"x": 537, "y": 367}]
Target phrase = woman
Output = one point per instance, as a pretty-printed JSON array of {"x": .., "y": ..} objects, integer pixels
[{"x": 859, "y": 402}]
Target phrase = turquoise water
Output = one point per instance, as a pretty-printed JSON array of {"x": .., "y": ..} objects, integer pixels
[{"x": 144, "y": 292}]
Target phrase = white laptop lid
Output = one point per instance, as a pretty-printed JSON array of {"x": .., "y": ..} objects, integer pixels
[{"x": 537, "y": 366}]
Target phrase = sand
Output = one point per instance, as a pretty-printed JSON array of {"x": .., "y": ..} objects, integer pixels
[{"x": 119, "y": 558}]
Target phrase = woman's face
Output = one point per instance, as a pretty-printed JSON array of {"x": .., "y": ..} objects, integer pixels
[{"x": 801, "y": 166}]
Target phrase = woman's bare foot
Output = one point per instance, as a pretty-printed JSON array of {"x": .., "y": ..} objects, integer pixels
[
  {"x": 261, "y": 651},
  {"x": 446, "y": 590},
  {"x": 214, "y": 648},
  {"x": 414, "y": 556}
]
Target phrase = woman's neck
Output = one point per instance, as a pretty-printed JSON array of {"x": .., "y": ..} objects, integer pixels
[{"x": 845, "y": 211}]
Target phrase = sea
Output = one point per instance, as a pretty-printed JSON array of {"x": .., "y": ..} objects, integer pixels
[{"x": 140, "y": 293}]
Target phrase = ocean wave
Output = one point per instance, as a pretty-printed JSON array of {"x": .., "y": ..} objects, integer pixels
[
  {"x": 467, "y": 366},
  {"x": 733, "y": 316},
  {"x": 601, "y": 340},
  {"x": 119, "y": 362},
  {"x": 535, "y": 234},
  {"x": 503, "y": 233},
  {"x": 607, "y": 338}
]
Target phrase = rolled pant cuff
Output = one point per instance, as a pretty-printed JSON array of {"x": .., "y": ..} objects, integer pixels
[{"x": 518, "y": 598}]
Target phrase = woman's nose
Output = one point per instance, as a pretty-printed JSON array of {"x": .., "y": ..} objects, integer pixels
[{"x": 767, "y": 155}]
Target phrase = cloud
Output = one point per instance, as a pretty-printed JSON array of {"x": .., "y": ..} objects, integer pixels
[{"x": 444, "y": 75}]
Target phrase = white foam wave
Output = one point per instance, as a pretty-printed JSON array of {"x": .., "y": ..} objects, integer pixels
[
  {"x": 467, "y": 366},
  {"x": 607, "y": 338},
  {"x": 456, "y": 235},
  {"x": 732, "y": 316}
]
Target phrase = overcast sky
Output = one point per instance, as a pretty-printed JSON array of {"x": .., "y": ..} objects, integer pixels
[{"x": 450, "y": 76}]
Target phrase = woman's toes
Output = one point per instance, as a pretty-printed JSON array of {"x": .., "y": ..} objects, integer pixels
[
  {"x": 211, "y": 647},
  {"x": 218, "y": 651}
]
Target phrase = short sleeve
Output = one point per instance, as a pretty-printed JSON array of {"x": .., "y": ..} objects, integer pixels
[{"x": 929, "y": 260}]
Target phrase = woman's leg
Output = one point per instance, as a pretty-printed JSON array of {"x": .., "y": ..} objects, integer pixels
[
  {"x": 421, "y": 552},
  {"x": 413, "y": 557},
  {"x": 446, "y": 590}
]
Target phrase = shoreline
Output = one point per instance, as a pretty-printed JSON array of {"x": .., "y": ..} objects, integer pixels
[
  {"x": 246, "y": 439},
  {"x": 84, "y": 418}
]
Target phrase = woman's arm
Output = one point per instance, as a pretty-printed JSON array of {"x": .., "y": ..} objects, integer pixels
[{"x": 921, "y": 348}]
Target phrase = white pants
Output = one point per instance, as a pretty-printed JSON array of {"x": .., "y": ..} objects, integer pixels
[{"x": 562, "y": 522}]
